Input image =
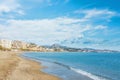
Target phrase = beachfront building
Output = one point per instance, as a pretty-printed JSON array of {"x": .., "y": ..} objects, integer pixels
[{"x": 6, "y": 43}]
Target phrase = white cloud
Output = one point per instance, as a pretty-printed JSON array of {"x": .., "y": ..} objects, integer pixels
[
  {"x": 9, "y": 6},
  {"x": 100, "y": 27},
  {"x": 46, "y": 30},
  {"x": 51, "y": 30},
  {"x": 96, "y": 14}
]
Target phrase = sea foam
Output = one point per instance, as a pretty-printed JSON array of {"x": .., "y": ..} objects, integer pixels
[{"x": 92, "y": 76}]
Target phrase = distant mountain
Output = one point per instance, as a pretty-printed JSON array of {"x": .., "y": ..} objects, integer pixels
[
  {"x": 56, "y": 47},
  {"x": 69, "y": 49}
]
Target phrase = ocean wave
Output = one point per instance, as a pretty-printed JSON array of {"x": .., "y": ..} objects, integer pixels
[
  {"x": 85, "y": 73},
  {"x": 92, "y": 76}
]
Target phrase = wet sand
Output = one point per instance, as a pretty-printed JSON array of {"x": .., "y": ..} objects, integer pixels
[{"x": 13, "y": 67}]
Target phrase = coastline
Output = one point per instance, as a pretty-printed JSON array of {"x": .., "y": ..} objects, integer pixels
[
  {"x": 61, "y": 70},
  {"x": 14, "y": 67}
]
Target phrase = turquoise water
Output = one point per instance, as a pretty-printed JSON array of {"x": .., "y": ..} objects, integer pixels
[{"x": 95, "y": 66}]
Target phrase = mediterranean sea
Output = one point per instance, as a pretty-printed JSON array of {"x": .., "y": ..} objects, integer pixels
[{"x": 78, "y": 65}]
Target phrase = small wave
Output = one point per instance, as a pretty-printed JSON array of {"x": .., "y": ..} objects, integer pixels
[
  {"x": 91, "y": 76},
  {"x": 94, "y": 77},
  {"x": 62, "y": 65}
]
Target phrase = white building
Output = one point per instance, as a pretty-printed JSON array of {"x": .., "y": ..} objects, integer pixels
[{"x": 6, "y": 43}]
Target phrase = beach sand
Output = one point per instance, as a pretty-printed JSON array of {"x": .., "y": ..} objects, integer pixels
[{"x": 13, "y": 67}]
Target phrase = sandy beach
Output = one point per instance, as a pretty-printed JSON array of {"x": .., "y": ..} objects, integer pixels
[{"x": 13, "y": 67}]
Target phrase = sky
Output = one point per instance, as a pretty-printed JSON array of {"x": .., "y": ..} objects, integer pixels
[{"x": 74, "y": 23}]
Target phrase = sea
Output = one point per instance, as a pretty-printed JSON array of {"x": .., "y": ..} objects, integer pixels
[{"x": 78, "y": 65}]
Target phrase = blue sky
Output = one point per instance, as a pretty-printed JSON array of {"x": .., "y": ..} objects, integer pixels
[{"x": 74, "y": 23}]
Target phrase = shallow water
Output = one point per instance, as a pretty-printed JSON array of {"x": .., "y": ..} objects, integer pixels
[{"x": 80, "y": 66}]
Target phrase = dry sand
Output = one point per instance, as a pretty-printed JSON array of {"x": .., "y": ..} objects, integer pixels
[{"x": 13, "y": 67}]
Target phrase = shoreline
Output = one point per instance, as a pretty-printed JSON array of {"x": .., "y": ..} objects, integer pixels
[
  {"x": 14, "y": 67},
  {"x": 61, "y": 70}
]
